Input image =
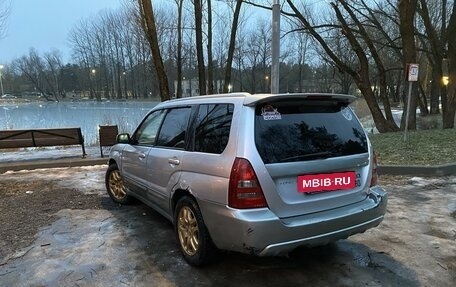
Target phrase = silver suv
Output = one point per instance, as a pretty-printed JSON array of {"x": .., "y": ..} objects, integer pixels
[{"x": 258, "y": 174}]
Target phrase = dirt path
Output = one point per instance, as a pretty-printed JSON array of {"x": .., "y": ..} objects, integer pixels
[{"x": 58, "y": 228}]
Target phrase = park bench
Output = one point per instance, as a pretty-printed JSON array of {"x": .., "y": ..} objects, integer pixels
[
  {"x": 41, "y": 138},
  {"x": 107, "y": 136}
]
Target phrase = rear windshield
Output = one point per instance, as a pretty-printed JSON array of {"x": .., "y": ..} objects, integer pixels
[{"x": 307, "y": 130}]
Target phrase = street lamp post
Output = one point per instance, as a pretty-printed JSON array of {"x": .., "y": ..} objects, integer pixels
[
  {"x": 445, "y": 76},
  {"x": 275, "y": 47},
  {"x": 124, "y": 77},
  {"x": 93, "y": 89},
  {"x": 1, "y": 80}
]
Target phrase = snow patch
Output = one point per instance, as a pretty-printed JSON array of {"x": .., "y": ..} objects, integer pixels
[{"x": 85, "y": 179}]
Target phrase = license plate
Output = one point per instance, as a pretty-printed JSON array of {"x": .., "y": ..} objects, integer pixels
[{"x": 326, "y": 182}]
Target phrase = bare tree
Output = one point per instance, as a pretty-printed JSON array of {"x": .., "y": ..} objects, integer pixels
[
  {"x": 360, "y": 74},
  {"x": 34, "y": 69},
  {"x": 302, "y": 42},
  {"x": 198, "y": 9},
  {"x": 257, "y": 55},
  {"x": 210, "y": 63},
  {"x": 439, "y": 31},
  {"x": 229, "y": 61},
  {"x": 147, "y": 19},
  {"x": 407, "y": 9},
  {"x": 239, "y": 59},
  {"x": 5, "y": 9},
  {"x": 54, "y": 64},
  {"x": 434, "y": 39},
  {"x": 449, "y": 113}
]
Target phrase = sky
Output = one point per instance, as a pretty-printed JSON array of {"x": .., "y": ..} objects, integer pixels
[{"x": 45, "y": 24}]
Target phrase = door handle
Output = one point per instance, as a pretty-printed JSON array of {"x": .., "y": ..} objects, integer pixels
[
  {"x": 174, "y": 161},
  {"x": 141, "y": 155}
]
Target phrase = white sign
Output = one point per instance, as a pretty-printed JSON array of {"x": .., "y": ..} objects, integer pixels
[{"x": 412, "y": 73}]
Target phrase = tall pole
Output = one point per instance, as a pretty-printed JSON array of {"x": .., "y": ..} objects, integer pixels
[
  {"x": 1, "y": 80},
  {"x": 275, "y": 47},
  {"x": 407, "y": 114}
]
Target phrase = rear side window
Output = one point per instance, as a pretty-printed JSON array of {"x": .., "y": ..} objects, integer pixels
[
  {"x": 307, "y": 130},
  {"x": 212, "y": 129},
  {"x": 173, "y": 130}
]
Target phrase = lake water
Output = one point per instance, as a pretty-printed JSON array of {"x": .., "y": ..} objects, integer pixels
[{"x": 87, "y": 115}]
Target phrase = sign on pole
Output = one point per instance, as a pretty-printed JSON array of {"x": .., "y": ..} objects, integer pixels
[
  {"x": 412, "y": 72},
  {"x": 412, "y": 76}
]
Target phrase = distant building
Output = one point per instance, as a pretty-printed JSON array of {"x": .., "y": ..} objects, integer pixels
[
  {"x": 190, "y": 87},
  {"x": 318, "y": 86}
]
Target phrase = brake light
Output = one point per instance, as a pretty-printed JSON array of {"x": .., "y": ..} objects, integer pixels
[
  {"x": 244, "y": 190},
  {"x": 374, "y": 171},
  {"x": 316, "y": 97}
]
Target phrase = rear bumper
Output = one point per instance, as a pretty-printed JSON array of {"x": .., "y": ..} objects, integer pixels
[{"x": 261, "y": 232}]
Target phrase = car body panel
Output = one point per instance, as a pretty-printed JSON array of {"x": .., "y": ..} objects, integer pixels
[
  {"x": 134, "y": 163},
  {"x": 261, "y": 232},
  {"x": 162, "y": 170}
]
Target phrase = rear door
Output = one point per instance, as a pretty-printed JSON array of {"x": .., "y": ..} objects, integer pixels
[{"x": 315, "y": 155}]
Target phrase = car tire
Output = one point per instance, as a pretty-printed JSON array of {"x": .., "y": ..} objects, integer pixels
[
  {"x": 115, "y": 185},
  {"x": 192, "y": 235}
]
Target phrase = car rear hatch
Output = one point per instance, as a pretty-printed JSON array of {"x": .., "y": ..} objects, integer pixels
[{"x": 315, "y": 153}]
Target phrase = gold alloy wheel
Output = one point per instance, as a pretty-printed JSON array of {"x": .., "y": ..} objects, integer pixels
[
  {"x": 187, "y": 228},
  {"x": 116, "y": 185}
]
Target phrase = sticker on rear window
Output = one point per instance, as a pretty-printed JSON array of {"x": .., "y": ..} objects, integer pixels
[
  {"x": 347, "y": 114},
  {"x": 269, "y": 113}
]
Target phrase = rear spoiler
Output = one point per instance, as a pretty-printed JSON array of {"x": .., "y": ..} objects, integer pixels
[{"x": 253, "y": 100}]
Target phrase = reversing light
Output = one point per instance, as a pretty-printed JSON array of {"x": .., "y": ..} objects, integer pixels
[{"x": 374, "y": 171}]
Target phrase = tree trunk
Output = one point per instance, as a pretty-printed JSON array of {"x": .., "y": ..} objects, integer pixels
[
  {"x": 229, "y": 61},
  {"x": 422, "y": 101},
  {"x": 435, "y": 92},
  {"x": 199, "y": 46},
  {"x": 210, "y": 64},
  {"x": 179, "y": 48},
  {"x": 448, "y": 117},
  {"x": 449, "y": 112},
  {"x": 147, "y": 19},
  {"x": 407, "y": 9},
  {"x": 437, "y": 51}
]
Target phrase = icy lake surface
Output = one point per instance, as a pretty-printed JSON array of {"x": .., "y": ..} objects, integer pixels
[{"x": 87, "y": 115}]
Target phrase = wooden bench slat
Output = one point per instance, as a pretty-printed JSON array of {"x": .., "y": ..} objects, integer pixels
[
  {"x": 41, "y": 138},
  {"x": 16, "y": 143}
]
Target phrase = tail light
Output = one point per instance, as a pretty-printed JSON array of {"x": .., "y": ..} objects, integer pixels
[
  {"x": 244, "y": 190},
  {"x": 374, "y": 171}
]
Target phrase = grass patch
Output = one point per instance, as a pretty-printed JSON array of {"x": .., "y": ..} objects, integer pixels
[{"x": 423, "y": 147}]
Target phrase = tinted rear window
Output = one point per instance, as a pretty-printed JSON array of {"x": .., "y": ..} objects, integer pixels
[
  {"x": 213, "y": 125},
  {"x": 307, "y": 130}
]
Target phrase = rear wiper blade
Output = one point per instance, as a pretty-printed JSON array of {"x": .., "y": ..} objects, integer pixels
[{"x": 323, "y": 154}]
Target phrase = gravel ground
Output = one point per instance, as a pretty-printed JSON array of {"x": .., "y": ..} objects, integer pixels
[{"x": 29, "y": 201}]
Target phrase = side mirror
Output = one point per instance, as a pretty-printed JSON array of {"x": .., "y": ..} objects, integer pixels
[{"x": 123, "y": 138}]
